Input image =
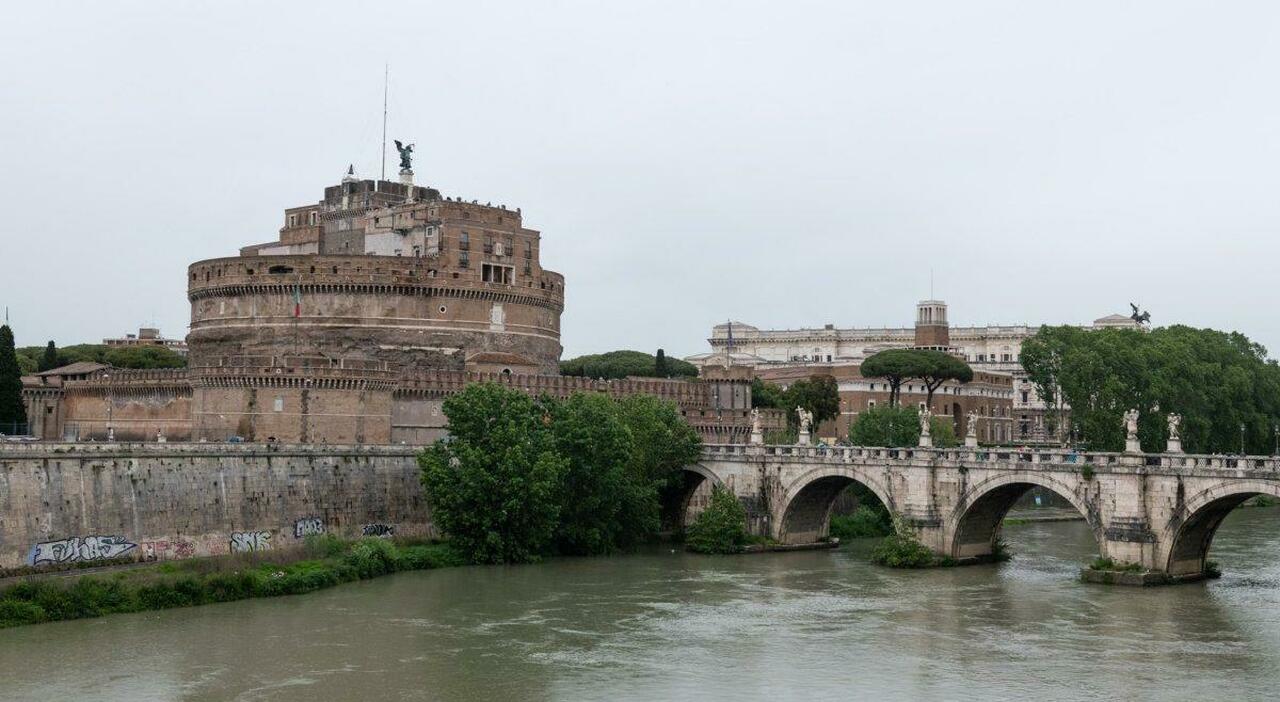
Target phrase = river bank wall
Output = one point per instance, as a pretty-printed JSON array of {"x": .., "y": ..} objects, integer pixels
[{"x": 63, "y": 504}]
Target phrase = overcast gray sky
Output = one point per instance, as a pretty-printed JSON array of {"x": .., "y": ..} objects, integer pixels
[{"x": 782, "y": 163}]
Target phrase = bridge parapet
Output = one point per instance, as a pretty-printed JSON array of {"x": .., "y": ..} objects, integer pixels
[{"x": 1040, "y": 459}]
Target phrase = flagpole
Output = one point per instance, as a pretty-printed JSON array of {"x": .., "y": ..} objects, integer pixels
[{"x": 386, "y": 77}]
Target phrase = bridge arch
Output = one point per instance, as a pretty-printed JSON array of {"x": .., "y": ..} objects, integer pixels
[
  {"x": 1187, "y": 539},
  {"x": 974, "y": 525},
  {"x": 675, "y": 502},
  {"x": 804, "y": 513}
]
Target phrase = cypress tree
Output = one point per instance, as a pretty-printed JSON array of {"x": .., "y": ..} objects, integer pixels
[
  {"x": 13, "y": 415},
  {"x": 50, "y": 359},
  {"x": 660, "y": 364}
]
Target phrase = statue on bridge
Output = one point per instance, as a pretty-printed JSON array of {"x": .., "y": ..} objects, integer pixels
[
  {"x": 757, "y": 436},
  {"x": 1175, "y": 434},
  {"x": 1131, "y": 432},
  {"x": 805, "y": 419},
  {"x": 926, "y": 419}
]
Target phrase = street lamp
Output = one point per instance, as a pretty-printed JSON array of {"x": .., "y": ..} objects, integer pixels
[
  {"x": 1242, "y": 438},
  {"x": 1276, "y": 428}
]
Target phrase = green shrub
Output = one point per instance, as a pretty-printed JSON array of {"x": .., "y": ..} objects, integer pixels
[
  {"x": 865, "y": 522},
  {"x": 1101, "y": 563},
  {"x": 201, "y": 581},
  {"x": 1212, "y": 570},
  {"x": 1000, "y": 551},
  {"x": 18, "y": 612},
  {"x": 1087, "y": 471},
  {"x": 721, "y": 527},
  {"x": 902, "y": 551},
  {"x": 323, "y": 546},
  {"x": 373, "y": 557}
]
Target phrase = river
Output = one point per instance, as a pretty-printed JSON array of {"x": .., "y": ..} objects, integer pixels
[{"x": 673, "y": 626}]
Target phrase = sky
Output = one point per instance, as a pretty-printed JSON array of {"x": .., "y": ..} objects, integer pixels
[{"x": 783, "y": 164}]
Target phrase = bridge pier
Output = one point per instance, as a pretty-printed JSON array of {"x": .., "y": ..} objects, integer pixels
[{"x": 1156, "y": 513}]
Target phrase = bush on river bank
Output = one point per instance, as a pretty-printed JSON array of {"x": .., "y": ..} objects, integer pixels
[
  {"x": 324, "y": 562},
  {"x": 721, "y": 527}
]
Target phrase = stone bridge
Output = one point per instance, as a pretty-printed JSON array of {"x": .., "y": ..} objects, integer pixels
[{"x": 1157, "y": 510}]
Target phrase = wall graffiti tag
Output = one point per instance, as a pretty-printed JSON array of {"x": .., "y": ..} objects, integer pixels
[
  {"x": 308, "y": 527},
  {"x": 80, "y": 548},
  {"x": 161, "y": 550},
  {"x": 379, "y": 529},
  {"x": 250, "y": 541}
]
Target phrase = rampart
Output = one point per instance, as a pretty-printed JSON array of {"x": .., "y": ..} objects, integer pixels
[{"x": 68, "y": 503}]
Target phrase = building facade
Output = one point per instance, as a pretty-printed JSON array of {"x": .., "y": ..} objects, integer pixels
[{"x": 992, "y": 351}]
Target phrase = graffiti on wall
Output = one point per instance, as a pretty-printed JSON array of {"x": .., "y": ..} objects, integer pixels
[
  {"x": 161, "y": 550},
  {"x": 80, "y": 548},
  {"x": 250, "y": 541},
  {"x": 307, "y": 527},
  {"x": 379, "y": 529}
]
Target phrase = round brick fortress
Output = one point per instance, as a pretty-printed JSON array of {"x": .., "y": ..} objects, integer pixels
[{"x": 412, "y": 313}]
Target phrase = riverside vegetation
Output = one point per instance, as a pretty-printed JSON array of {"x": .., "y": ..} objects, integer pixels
[
  {"x": 521, "y": 478},
  {"x": 323, "y": 561}
]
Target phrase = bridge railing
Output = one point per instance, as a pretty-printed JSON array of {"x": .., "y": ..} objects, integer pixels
[{"x": 1000, "y": 455}]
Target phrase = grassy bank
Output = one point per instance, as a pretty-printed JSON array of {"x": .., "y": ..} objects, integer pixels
[{"x": 323, "y": 562}]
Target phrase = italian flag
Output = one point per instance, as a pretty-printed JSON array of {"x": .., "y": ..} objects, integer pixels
[{"x": 297, "y": 300}]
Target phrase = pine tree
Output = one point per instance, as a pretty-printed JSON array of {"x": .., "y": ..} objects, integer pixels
[
  {"x": 50, "y": 359},
  {"x": 660, "y": 365},
  {"x": 13, "y": 415}
]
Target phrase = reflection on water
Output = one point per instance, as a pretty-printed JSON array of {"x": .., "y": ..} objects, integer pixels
[{"x": 666, "y": 625}]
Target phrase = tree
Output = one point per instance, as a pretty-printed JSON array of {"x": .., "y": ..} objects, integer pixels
[
  {"x": 621, "y": 364},
  {"x": 898, "y": 427},
  {"x": 13, "y": 413},
  {"x": 1217, "y": 381},
  {"x": 895, "y": 366},
  {"x": 494, "y": 484},
  {"x": 662, "y": 445},
  {"x": 937, "y": 367},
  {"x": 818, "y": 394},
  {"x": 596, "y": 445},
  {"x": 660, "y": 365},
  {"x": 766, "y": 395},
  {"x": 886, "y": 426},
  {"x": 721, "y": 527},
  {"x": 49, "y": 360}
]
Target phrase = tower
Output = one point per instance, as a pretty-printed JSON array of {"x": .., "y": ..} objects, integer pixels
[{"x": 932, "y": 330}]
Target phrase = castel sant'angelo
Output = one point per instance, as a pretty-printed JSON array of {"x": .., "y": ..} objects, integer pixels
[{"x": 372, "y": 306}]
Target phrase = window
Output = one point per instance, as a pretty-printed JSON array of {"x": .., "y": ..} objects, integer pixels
[
  {"x": 488, "y": 243},
  {"x": 464, "y": 242},
  {"x": 293, "y": 220},
  {"x": 464, "y": 260},
  {"x": 1024, "y": 395},
  {"x": 528, "y": 249},
  {"x": 278, "y": 405},
  {"x": 312, "y": 218},
  {"x": 491, "y": 273}
]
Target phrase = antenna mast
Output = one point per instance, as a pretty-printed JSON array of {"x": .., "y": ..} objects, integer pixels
[{"x": 386, "y": 73}]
